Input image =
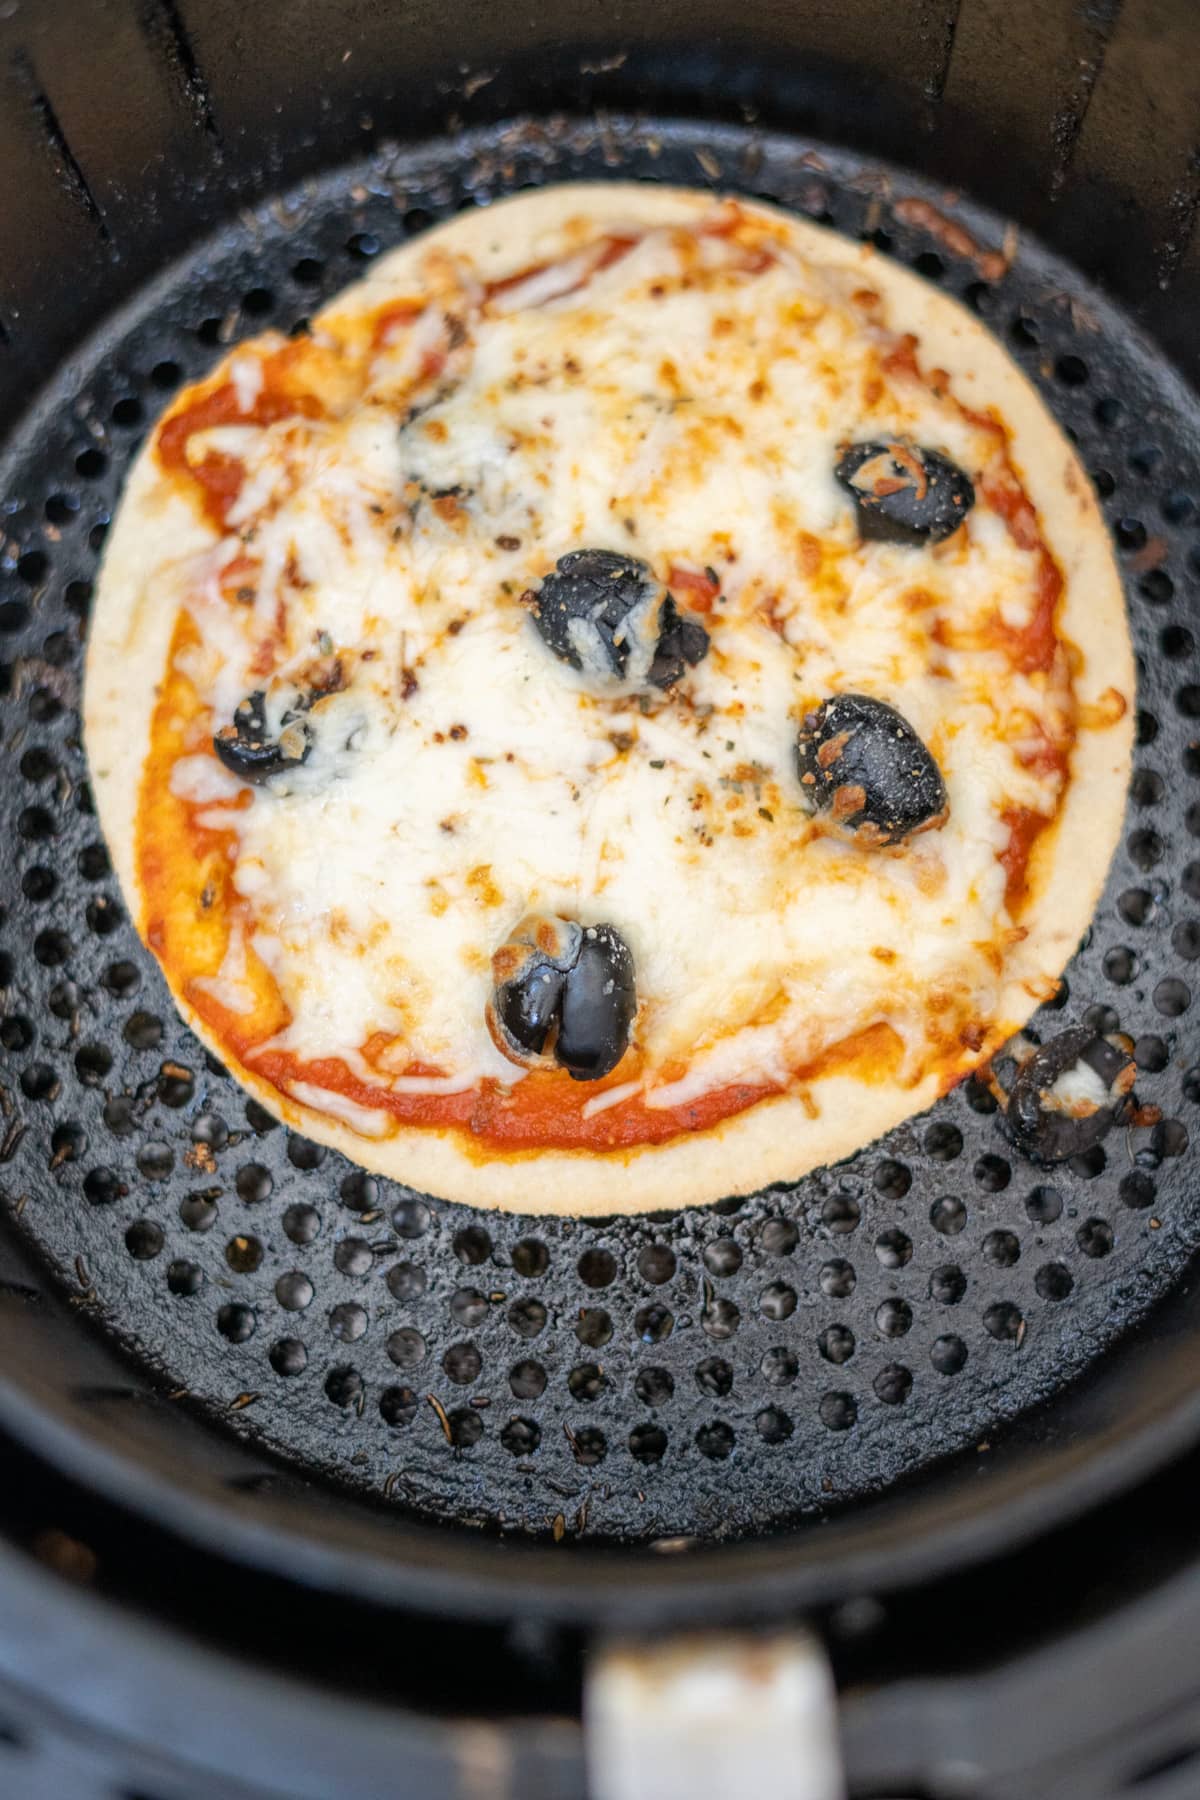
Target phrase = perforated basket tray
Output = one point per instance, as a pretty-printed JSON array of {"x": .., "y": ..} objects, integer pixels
[{"x": 711, "y": 1372}]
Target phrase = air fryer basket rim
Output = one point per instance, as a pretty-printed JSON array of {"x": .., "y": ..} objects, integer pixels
[{"x": 1137, "y": 1411}]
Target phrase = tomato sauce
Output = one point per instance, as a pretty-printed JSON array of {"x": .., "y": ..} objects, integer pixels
[
  {"x": 542, "y": 1111},
  {"x": 1025, "y": 827},
  {"x": 698, "y": 585},
  {"x": 545, "y": 1110},
  {"x": 218, "y": 476},
  {"x": 395, "y": 313},
  {"x": 609, "y": 250},
  {"x": 1033, "y": 648},
  {"x": 186, "y": 866}
]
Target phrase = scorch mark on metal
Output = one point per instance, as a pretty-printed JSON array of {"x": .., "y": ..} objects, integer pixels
[
  {"x": 66, "y": 165},
  {"x": 1100, "y": 20},
  {"x": 163, "y": 25}
]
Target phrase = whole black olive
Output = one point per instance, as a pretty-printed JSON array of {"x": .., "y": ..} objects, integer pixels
[
  {"x": 563, "y": 992},
  {"x": 1052, "y": 1125},
  {"x": 248, "y": 752},
  {"x": 904, "y": 495},
  {"x": 861, "y": 764},
  {"x": 607, "y": 616}
]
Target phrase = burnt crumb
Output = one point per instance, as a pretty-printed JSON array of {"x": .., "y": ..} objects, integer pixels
[
  {"x": 507, "y": 542},
  {"x": 326, "y": 675},
  {"x": 442, "y": 1417},
  {"x": 454, "y": 627},
  {"x": 954, "y": 237},
  {"x": 848, "y": 801},
  {"x": 458, "y": 733},
  {"x": 15, "y": 1133},
  {"x": 408, "y": 684},
  {"x": 621, "y": 741}
]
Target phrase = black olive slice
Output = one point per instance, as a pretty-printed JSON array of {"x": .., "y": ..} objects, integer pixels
[
  {"x": 604, "y": 614},
  {"x": 598, "y": 1005},
  {"x": 249, "y": 753},
  {"x": 1051, "y": 1124},
  {"x": 863, "y": 767},
  {"x": 903, "y": 494},
  {"x": 682, "y": 641},
  {"x": 563, "y": 993},
  {"x": 530, "y": 973}
]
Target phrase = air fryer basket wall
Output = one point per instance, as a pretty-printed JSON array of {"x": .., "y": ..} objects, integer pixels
[
  {"x": 133, "y": 127},
  {"x": 131, "y": 130}
]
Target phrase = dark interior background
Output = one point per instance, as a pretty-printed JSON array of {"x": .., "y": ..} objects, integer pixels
[{"x": 149, "y": 118}]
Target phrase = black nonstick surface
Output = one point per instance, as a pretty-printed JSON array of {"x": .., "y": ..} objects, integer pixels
[{"x": 707, "y": 1373}]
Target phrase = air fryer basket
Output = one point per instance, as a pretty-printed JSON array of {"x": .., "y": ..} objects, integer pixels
[
  {"x": 706, "y": 1373},
  {"x": 208, "y": 1323}
]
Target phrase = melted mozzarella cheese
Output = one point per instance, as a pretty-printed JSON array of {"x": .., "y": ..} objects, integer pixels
[
  {"x": 690, "y": 416},
  {"x": 1078, "y": 1091}
]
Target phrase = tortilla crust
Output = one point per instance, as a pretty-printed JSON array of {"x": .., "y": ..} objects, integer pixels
[{"x": 777, "y": 1139}]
